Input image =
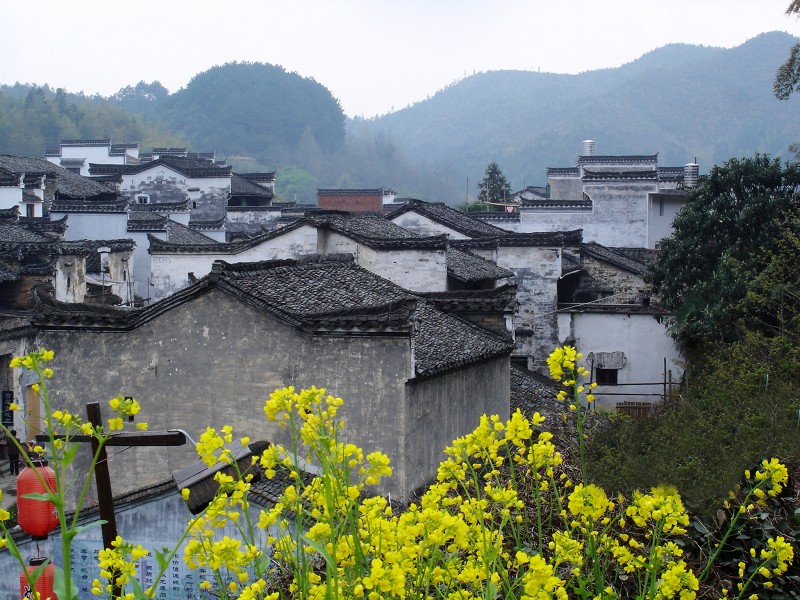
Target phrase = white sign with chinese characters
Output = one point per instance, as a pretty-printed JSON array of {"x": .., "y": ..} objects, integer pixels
[{"x": 179, "y": 582}]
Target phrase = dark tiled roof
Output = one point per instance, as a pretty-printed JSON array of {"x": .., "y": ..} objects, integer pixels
[
  {"x": 670, "y": 174},
  {"x": 467, "y": 267},
  {"x": 499, "y": 216},
  {"x": 9, "y": 215},
  {"x": 240, "y": 186},
  {"x": 316, "y": 287},
  {"x": 543, "y": 239},
  {"x": 180, "y": 234},
  {"x": 553, "y": 204},
  {"x": 145, "y": 220},
  {"x": 96, "y": 142},
  {"x": 158, "y": 206},
  {"x": 605, "y": 254},
  {"x": 160, "y": 246},
  {"x": 377, "y": 232},
  {"x": 174, "y": 151},
  {"x": 569, "y": 264},
  {"x": 17, "y": 234},
  {"x": 118, "y": 205},
  {"x": 14, "y": 324},
  {"x": 646, "y": 256},
  {"x": 263, "y": 177},
  {"x": 448, "y": 216},
  {"x": 44, "y": 225},
  {"x": 531, "y": 392},
  {"x": 496, "y": 300},
  {"x": 445, "y": 342},
  {"x": 208, "y": 224},
  {"x": 119, "y": 149},
  {"x": 318, "y": 295},
  {"x": 563, "y": 171},
  {"x": 619, "y": 159},
  {"x": 68, "y": 185},
  {"x": 649, "y": 175},
  {"x": 185, "y": 166}
]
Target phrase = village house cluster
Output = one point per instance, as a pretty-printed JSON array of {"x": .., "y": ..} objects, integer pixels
[{"x": 168, "y": 277}]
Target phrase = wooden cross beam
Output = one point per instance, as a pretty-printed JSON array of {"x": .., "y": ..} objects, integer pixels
[{"x": 105, "y": 500}]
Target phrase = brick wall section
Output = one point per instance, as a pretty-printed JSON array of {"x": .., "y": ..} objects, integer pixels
[
  {"x": 616, "y": 280},
  {"x": 351, "y": 202}
]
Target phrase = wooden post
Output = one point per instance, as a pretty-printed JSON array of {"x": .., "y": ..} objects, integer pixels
[{"x": 105, "y": 500}]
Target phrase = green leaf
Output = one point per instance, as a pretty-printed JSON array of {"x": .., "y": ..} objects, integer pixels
[
  {"x": 321, "y": 550},
  {"x": 38, "y": 496},
  {"x": 59, "y": 586},
  {"x": 162, "y": 559}
]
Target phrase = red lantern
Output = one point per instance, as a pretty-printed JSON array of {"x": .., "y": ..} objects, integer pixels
[
  {"x": 36, "y": 517},
  {"x": 44, "y": 585}
]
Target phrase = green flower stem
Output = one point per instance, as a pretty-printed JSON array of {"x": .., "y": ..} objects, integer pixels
[{"x": 712, "y": 559}]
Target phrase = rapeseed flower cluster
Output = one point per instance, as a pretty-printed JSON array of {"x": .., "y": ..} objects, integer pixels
[
  {"x": 117, "y": 567},
  {"x": 503, "y": 518}
]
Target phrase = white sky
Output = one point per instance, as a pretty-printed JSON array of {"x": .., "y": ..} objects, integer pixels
[{"x": 373, "y": 55}]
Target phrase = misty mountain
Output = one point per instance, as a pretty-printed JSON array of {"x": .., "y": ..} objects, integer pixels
[{"x": 681, "y": 101}]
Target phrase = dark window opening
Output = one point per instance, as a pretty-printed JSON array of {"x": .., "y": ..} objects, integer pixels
[
  {"x": 29, "y": 210},
  {"x": 605, "y": 376}
]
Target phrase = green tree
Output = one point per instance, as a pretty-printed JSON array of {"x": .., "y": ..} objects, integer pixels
[
  {"x": 741, "y": 408},
  {"x": 723, "y": 238},
  {"x": 494, "y": 187},
  {"x": 787, "y": 78}
]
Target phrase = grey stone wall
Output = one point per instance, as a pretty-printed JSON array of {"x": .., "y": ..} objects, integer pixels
[
  {"x": 536, "y": 275},
  {"x": 215, "y": 361},
  {"x": 443, "y": 408},
  {"x": 608, "y": 278}
]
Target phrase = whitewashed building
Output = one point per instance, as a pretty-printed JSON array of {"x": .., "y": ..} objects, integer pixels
[
  {"x": 617, "y": 200},
  {"x": 76, "y": 155}
]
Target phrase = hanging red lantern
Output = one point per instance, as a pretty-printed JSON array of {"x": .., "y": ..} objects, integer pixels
[
  {"x": 44, "y": 585},
  {"x": 36, "y": 517}
]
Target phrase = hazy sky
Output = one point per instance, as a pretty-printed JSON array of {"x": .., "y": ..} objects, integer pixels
[{"x": 374, "y": 56}]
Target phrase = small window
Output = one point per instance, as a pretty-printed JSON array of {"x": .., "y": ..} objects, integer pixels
[
  {"x": 194, "y": 204},
  {"x": 606, "y": 376},
  {"x": 142, "y": 199},
  {"x": 29, "y": 210}
]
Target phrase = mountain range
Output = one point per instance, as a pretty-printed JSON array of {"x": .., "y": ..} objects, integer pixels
[{"x": 683, "y": 102}]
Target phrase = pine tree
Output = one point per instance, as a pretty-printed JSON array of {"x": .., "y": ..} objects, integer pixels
[{"x": 494, "y": 187}]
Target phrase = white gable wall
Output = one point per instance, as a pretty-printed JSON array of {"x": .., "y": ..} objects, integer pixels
[
  {"x": 169, "y": 273},
  {"x": 641, "y": 337},
  {"x": 10, "y": 197},
  {"x": 422, "y": 225},
  {"x": 94, "y": 226},
  {"x": 412, "y": 269}
]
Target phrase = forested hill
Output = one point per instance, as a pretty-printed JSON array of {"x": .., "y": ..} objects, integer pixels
[
  {"x": 681, "y": 101},
  {"x": 258, "y": 113}
]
